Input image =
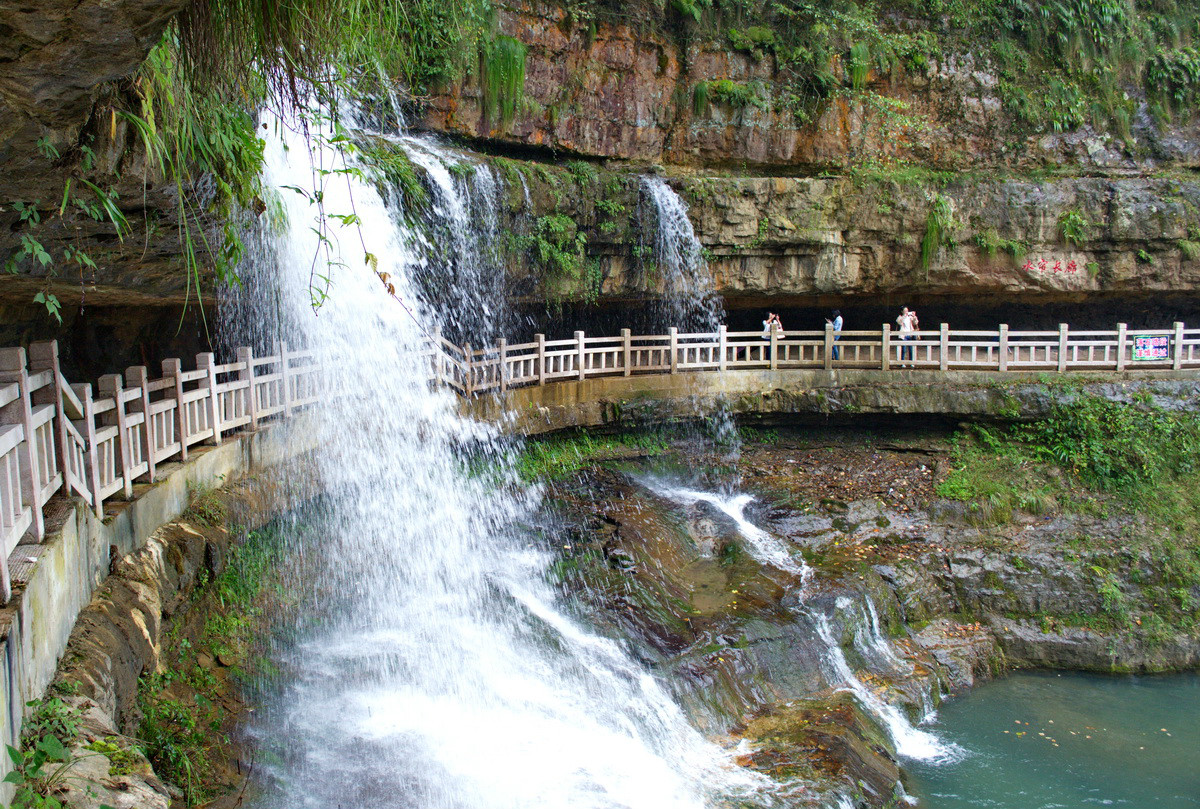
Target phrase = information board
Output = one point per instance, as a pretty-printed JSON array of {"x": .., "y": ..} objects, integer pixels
[{"x": 1151, "y": 346}]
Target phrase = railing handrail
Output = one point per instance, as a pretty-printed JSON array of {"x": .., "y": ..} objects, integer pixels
[
  {"x": 96, "y": 442},
  {"x": 476, "y": 370},
  {"x": 56, "y": 436}
]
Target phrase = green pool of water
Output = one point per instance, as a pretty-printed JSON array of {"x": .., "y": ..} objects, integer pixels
[{"x": 1069, "y": 741}]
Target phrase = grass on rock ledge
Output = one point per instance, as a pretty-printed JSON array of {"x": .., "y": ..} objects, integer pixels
[{"x": 1100, "y": 459}]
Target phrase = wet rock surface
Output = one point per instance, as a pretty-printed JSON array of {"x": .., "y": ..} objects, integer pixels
[{"x": 919, "y": 600}]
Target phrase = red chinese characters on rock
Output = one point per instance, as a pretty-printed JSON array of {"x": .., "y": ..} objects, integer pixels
[{"x": 1042, "y": 265}]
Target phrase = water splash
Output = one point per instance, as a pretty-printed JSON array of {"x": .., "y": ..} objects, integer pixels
[{"x": 433, "y": 666}]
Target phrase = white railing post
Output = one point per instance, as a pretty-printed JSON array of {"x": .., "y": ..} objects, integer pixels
[
  {"x": 174, "y": 368},
  {"x": 44, "y": 357},
  {"x": 87, "y": 429},
  {"x": 673, "y": 334},
  {"x": 627, "y": 351},
  {"x": 437, "y": 357},
  {"x": 1122, "y": 339},
  {"x": 1177, "y": 347},
  {"x": 579, "y": 342},
  {"x": 885, "y": 362},
  {"x": 944, "y": 347},
  {"x": 775, "y": 348},
  {"x": 208, "y": 362},
  {"x": 1062, "y": 348},
  {"x": 828, "y": 347},
  {"x": 12, "y": 369},
  {"x": 502, "y": 345},
  {"x": 285, "y": 381},
  {"x": 1003, "y": 346},
  {"x": 110, "y": 387},
  {"x": 722, "y": 343},
  {"x": 540, "y": 339},
  {"x": 245, "y": 356},
  {"x": 137, "y": 376},
  {"x": 469, "y": 362}
]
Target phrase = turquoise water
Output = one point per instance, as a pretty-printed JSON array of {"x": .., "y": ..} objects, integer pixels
[{"x": 1069, "y": 741}]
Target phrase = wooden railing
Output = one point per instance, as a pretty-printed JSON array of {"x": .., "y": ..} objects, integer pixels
[
  {"x": 471, "y": 371},
  {"x": 55, "y": 435}
]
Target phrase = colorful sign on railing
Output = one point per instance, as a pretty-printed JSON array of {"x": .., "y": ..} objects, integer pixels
[{"x": 1149, "y": 347}]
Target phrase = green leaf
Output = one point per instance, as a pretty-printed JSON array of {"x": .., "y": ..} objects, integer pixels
[{"x": 53, "y": 748}]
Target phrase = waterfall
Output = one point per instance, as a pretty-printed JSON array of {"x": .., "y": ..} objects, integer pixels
[
  {"x": 762, "y": 545},
  {"x": 689, "y": 301},
  {"x": 462, "y": 274},
  {"x": 910, "y": 742},
  {"x": 768, "y": 549},
  {"x": 433, "y": 665}
]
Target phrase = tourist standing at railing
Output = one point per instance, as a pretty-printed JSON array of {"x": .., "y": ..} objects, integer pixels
[
  {"x": 908, "y": 325},
  {"x": 837, "y": 327},
  {"x": 772, "y": 323}
]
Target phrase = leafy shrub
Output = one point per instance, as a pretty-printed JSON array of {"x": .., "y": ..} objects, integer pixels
[
  {"x": 1117, "y": 447},
  {"x": 755, "y": 40},
  {"x": 735, "y": 94},
  {"x": 557, "y": 245}
]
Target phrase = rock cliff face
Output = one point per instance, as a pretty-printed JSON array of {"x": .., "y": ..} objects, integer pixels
[
  {"x": 791, "y": 211},
  {"x": 786, "y": 239},
  {"x": 625, "y": 91},
  {"x": 57, "y": 58}
]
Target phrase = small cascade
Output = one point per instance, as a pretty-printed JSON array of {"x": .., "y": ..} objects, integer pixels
[
  {"x": 910, "y": 742},
  {"x": 762, "y": 545},
  {"x": 689, "y": 302},
  {"x": 871, "y": 643},
  {"x": 462, "y": 275},
  {"x": 861, "y": 614}
]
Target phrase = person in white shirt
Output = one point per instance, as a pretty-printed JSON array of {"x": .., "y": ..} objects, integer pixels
[
  {"x": 772, "y": 322},
  {"x": 908, "y": 325}
]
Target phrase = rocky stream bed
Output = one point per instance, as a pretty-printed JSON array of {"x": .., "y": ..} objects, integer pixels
[{"x": 885, "y": 595}]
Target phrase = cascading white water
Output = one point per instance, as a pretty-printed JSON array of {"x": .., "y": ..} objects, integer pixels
[
  {"x": 763, "y": 546},
  {"x": 463, "y": 275},
  {"x": 689, "y": 301},
  {"x": 434, "y": 668},
  {"x": 871, "y": 643},
  {"x": 910, "y": 741}
]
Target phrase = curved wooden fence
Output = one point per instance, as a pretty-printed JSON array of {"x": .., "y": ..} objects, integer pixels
[
  {"x": 472, "y": 371},
  {"x": 57, "y": 436}
]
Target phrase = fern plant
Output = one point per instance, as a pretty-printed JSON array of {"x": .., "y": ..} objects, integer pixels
[
  {"x": 939, "y": 230},
  {"x": 1074, "y": 228}
]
